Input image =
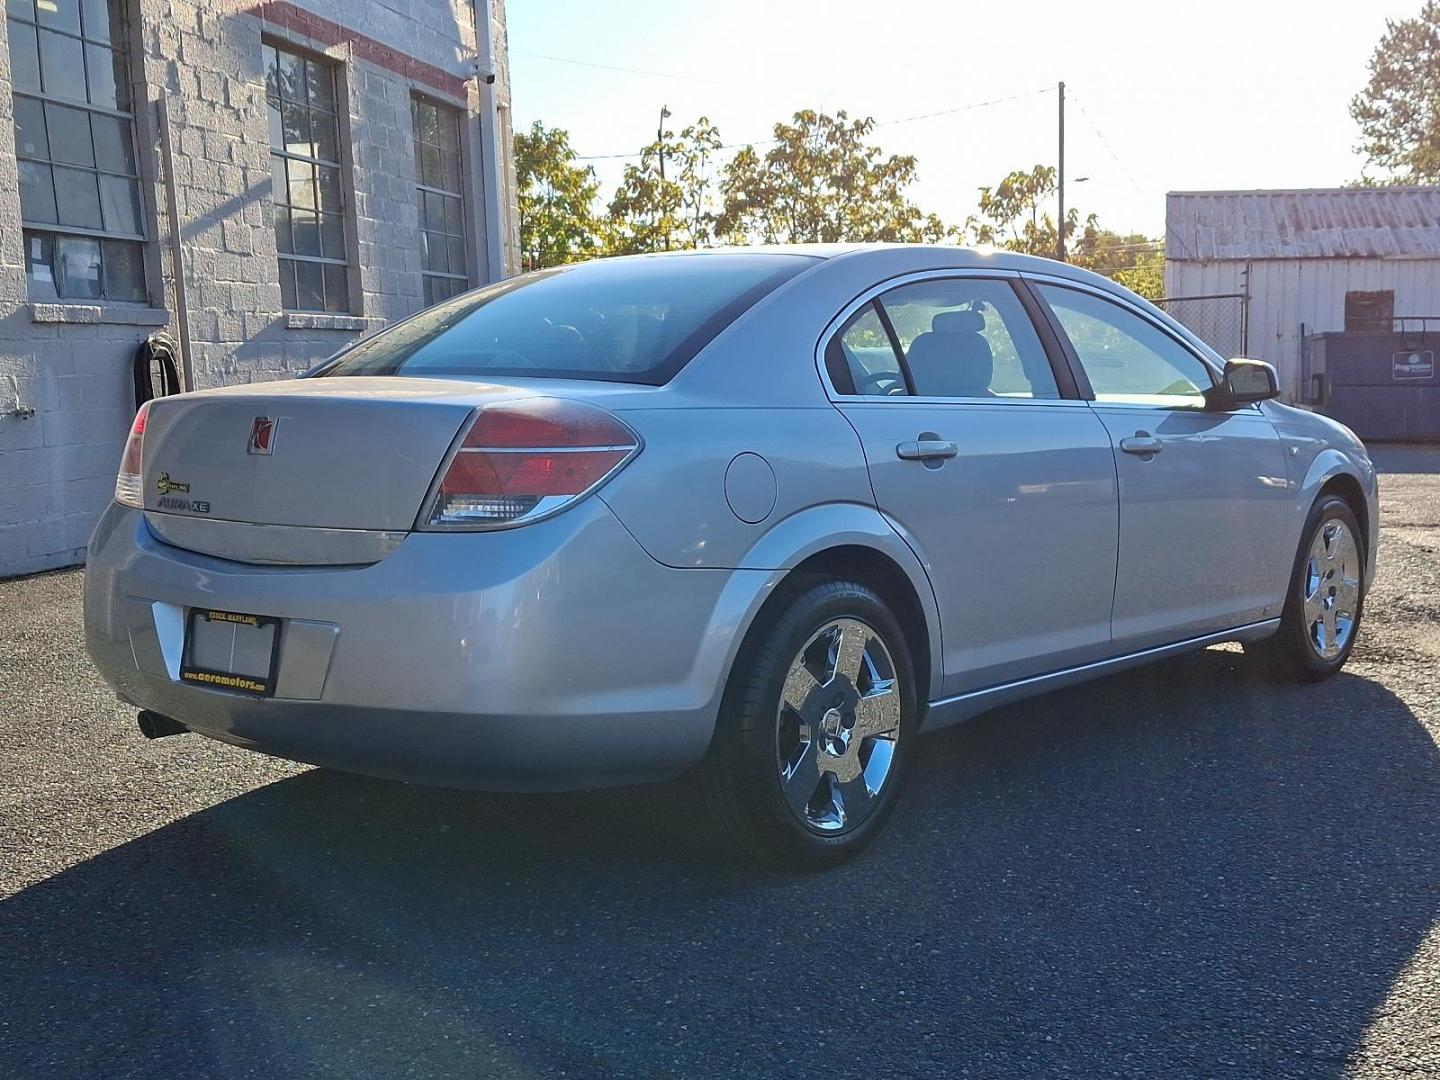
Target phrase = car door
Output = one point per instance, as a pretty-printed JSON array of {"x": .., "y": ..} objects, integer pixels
[
  {"x": 986, "y": 460},
  {"x": 1204, "y": 498}
]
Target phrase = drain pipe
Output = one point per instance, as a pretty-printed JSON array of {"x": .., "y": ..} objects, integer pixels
[
  {"x": 177, "y": 250},
  {"x": 492, "y": 172}
]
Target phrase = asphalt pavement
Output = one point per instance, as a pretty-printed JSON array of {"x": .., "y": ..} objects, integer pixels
[{"x": 1176, "y": 872}]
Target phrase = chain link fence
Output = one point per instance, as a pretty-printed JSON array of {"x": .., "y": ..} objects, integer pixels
[{"x": 1221, "y": 320}]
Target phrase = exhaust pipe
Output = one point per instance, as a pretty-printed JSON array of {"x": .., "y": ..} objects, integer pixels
[{"x": 154, "y": 726}]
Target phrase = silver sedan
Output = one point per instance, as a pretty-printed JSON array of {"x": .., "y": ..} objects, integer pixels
[{"x": 764, "y": 515}]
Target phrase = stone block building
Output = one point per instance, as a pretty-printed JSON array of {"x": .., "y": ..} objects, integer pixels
[{"x": 264, "y": 180}]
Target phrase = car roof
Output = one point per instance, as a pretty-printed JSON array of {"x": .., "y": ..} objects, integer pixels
[{"x": 952, "y": 255}]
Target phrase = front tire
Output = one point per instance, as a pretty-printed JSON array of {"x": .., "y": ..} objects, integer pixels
[
  {"x": 815, "y": 728},
  {"x": 1321, "y": 617}
]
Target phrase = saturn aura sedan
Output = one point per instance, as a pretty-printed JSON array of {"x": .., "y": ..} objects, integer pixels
[{"x": 759, "y": 516}]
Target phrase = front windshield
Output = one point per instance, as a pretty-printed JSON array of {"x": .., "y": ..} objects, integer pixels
[{"x": 619, "y": 320}]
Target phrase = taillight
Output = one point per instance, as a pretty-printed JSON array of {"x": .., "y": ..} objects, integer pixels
[
  {"x": 524, "y": 460},
  {"x": 129, "y": 489}
]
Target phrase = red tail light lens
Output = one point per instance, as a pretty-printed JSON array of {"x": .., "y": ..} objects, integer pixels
[
  {"x": 526, "y": 460},
  {"x": 129, "y": 488}
]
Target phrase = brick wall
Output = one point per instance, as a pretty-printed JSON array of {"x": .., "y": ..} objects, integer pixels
[{"x": 71, "y": 363}]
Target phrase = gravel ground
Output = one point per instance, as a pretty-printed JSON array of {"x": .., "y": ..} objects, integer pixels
[{"x": 1176, "y": 872}]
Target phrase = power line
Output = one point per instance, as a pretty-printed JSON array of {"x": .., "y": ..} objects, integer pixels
[
  {"x": 1105, "y": 143},
  {"x": 967, "y": 108},
  {"x": 1121, "y": 165},
  {"x": 1137, "y": 244},
  {"x": 879, "y": 123}
]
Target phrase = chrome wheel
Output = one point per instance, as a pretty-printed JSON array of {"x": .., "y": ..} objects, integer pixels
[
  {"x": 837, "y": 726},
  {"x": 1332, "y": 588}
]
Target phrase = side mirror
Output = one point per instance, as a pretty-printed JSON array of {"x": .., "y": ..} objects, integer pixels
[{"x": 1244, "y": 383}]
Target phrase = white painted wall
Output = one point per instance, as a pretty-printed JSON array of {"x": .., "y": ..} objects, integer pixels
[{"x": 1286, "y": 293}]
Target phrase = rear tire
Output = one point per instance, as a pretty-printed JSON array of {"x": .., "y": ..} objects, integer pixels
[
  {"x": 815, "y": 728},
  {"x": 1321, "y": 617}
]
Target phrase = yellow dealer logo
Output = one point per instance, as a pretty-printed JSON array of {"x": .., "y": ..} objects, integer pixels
[{"x": 171, "y": 487}]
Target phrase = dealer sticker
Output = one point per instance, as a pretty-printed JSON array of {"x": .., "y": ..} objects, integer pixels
[{"x": 1414, "y": 365}]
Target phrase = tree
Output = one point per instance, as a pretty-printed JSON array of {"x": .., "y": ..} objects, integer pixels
[
  {"x": 556, "y": 198},
  {"x": 1147, "y": 275},
  {"x": 1399, "y": 109},
  {"x": 821, "y": 183},
  {"x": 1011, "y": 214},
  {"x": 1132, "y": 259},
  {"x": 651, "y": 213}
]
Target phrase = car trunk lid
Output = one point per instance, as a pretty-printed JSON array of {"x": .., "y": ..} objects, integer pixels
[{"x": 332, "y": 453}]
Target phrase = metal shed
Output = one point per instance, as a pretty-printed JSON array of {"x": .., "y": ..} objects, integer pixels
[{"x": 1289, "y": 266}]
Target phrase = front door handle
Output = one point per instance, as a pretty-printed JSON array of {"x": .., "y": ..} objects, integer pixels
[
  {"x": 926, "y": 450},
  {"x": 1142, "y": 442}
]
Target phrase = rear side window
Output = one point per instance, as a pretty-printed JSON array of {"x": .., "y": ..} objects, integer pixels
[
  {"x": 620, "y": 320},
  {"x": 969, "y": 337},
  {"x": 861, "y": 359},
  {"x": 959, "y": 338}
]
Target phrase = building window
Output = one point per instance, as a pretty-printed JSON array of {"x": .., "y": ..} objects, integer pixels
[
  {"x": 75, "y": 145},
  {"x": 306, "y": 177},
  {"x": 439, "y": 195}
]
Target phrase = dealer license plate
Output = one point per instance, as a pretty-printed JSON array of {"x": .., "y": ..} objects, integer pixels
[{"x": 230, "y": 650}]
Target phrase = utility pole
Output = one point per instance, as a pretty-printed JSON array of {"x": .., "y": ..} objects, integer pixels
[
  {"x": 1060, "y": 173},
  {"x": 660, "y": 141}
]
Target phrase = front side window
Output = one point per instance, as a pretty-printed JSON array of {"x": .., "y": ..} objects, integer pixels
[
  {"x": 439, "y": 197},
  {"x": 306, "y": 178},
  {"x": 75, "y": 144},
  {"x": 1127, "y": 358}
]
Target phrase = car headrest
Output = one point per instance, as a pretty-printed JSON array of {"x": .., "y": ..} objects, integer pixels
[
  {"x": 951, "y": 365},
  {"x": 958, "y": 322}
]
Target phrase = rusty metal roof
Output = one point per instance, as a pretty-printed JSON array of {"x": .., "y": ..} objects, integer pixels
[{"x": 1318, "y": 223}]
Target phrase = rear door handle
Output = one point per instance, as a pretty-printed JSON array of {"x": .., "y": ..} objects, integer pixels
[
  {"x": 926, "y": 450},
  {"x": 1142, "y": 442}
]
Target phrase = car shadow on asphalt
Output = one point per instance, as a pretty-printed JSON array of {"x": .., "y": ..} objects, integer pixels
[{"x": 1176, "y": 871}]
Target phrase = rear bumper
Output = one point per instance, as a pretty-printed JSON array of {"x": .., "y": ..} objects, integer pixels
[{"x": 550, "y": 657}]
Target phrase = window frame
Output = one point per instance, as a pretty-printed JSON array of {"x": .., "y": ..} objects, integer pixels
[
  {"x": 466, "y": 279},
  {"x": 119, "y": 45},
  {"x": 1078, "y": 373},
  {"x": 872, "y": 307},
  {"x": 336, "y": 70},
  {"x": 1060, "y": 366}
]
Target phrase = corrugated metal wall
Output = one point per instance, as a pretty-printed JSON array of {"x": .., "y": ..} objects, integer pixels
[{"x": 1284, "y": 293}]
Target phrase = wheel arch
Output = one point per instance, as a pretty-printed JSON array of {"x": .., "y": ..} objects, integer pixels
[
  {"x": 856, "y": 542},
  {"x": 1348, "y": 488},
  {"x": 876, "y": 570},
  {"x": 1332, "y": 472}
]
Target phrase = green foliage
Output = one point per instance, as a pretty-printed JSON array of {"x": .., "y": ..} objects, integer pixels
[
  {"x": 556, "y": 199},
  {"x": 651, "y": 213},
  {"x": 1147, "y": 275},
  {"x": 1399, "y": 109},
  {"x": 821, "y": 183},
  {"x": 1132, "y": 259},
  {"x": 1011, "y": 214}
]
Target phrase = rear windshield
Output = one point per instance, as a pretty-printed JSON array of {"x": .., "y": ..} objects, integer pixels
[{"x": 618, "y": 320}]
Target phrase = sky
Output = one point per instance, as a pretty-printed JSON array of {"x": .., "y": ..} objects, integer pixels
[{"x": 1161, "y": 97}]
